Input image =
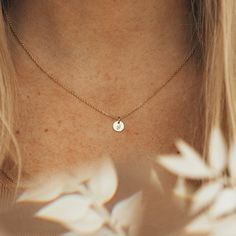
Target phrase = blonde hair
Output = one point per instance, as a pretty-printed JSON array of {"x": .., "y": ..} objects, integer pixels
[
  {"x": 8, "y": 142},
  {"x": 213, "y": 23}
]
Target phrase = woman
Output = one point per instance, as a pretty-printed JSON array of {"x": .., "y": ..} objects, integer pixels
[{"x": 169, "y": 65}]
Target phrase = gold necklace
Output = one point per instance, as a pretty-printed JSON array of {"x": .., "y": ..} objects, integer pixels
[{"x": 118, "y": 124}]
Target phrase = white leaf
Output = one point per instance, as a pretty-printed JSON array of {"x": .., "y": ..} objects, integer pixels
[
  {"x": 189, "y": 153},
  {"x": 90, "y": 223},
  {"x": 46, "y": 191},
  {"x": 217, "y": 151},
  {"x": 232, "y": 162},
  {"x": 184, "y": 167},
  {"x": 180, "y": 188},
  {"x": 224, "y": 204},
  {"x": 103, "y": 184},
  {"x": 107, "y": 232},
  {"x": 201, "y": 224},
  {"x": 193, "y": 157},
  {"x": 47, "y": 188},
  {"x": 189, "y": 165},
  {"x": 225, "y": 226},
  {"x": 66, "y": 209},
  {"x": 128, "y": 211},
  {"x": 154, "y": 179},
  {"x": 205, "y": 195}
]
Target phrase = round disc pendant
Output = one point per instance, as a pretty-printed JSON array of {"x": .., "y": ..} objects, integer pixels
[{"x": 118, "y": 126}]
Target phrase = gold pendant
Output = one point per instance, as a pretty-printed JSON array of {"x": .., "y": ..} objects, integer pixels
[{"x": 118, "y": 125}]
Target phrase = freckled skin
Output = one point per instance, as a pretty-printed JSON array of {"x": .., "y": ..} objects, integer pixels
[
  {"x": 115, "y": 62},
  {"x": 121, "y": 77}
]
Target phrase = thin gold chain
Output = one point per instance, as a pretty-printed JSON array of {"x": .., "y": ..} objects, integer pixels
[{"x": 82, "y": 99}]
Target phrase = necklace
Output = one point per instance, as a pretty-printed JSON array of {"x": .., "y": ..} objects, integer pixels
[{"x": 118, "y": 124}]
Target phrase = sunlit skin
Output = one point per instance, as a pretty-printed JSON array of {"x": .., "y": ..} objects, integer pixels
[{"x": 114, "y": 54}]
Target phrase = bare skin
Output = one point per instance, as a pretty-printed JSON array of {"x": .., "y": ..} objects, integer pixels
[{"x": 114, "y": 54}]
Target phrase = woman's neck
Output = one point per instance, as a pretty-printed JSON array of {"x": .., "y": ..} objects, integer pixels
[
  {"x": 114, "y": 54},
  {"x": 123, "y": 24},
  {"x": 114, "y": 50}
]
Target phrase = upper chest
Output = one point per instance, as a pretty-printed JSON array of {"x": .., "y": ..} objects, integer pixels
[{"x": 56, "y": 130}]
